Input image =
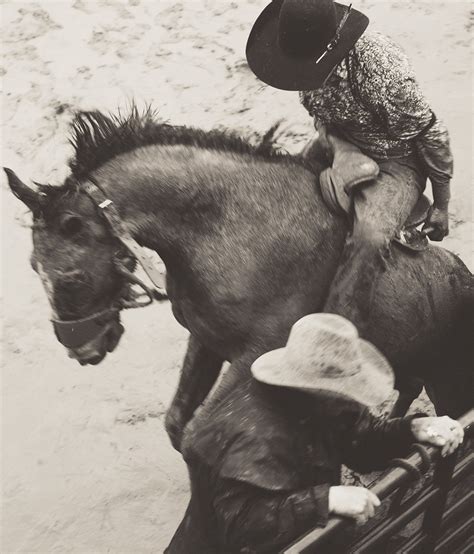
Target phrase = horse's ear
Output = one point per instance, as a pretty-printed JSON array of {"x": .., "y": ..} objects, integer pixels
[{"x": 33, "y": 199}]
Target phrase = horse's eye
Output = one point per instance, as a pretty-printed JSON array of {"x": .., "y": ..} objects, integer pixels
[{"x": 70, "y": 224}]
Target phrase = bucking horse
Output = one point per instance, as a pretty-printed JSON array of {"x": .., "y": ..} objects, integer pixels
[{"x": 249, "y": 247}]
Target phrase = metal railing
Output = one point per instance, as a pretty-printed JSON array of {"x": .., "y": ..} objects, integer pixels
[{"x": 438, "y": 531}]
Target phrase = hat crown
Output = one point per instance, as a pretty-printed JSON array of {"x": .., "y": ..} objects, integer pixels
[
  {"x": 324, "y": 353},
  {"x": 327, "y": 346},
  {"x": 305, "y": 27}
]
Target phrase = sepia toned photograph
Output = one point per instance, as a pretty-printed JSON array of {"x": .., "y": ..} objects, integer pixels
[{"x": 237, "y": 299}]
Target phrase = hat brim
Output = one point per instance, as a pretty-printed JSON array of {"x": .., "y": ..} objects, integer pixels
[
  {"x": 280, "y": 70},
  {"x": 371, "y": 386}
]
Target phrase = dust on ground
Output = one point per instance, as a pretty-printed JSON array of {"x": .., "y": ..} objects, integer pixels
[{"x": 87, "y": 466}]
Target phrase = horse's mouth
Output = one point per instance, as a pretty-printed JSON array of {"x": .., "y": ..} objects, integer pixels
[
  {"x": 94, "y": 351},
  {"x": 92, "y": 361}
]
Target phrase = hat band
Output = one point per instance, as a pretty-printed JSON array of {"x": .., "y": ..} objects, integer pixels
[{"x": 334, "y": 41}]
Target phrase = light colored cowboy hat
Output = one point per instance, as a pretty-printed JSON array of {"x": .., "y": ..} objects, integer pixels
[
  {"x": 324, "y": 353},
  {"x": 295, "y": 44}
]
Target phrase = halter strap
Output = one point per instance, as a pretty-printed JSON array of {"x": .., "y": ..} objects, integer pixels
[
  {"x": 109, "y": 211},
  {"x": 75, "y": 333}
]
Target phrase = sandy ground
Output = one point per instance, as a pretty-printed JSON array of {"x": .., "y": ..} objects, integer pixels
[{"x": 86, "y": 465}]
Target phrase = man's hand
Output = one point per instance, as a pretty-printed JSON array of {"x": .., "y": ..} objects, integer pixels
[
  {"x": 439, "y": 431},
  {"x": 354, "y": 502},
  {"x": 437, "y": 224}
]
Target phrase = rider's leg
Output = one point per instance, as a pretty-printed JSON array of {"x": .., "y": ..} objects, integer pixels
[
  {"x": 380, "y": 210},
  {"x": 318, "y": 150},
  {"x": 344, "y": 167}
]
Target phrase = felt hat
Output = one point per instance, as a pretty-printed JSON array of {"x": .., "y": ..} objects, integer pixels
[
  {"x": 325, "y": 353},
  {"x": 295, "y": 44}
]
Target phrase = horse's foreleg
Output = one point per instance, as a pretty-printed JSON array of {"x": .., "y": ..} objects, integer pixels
[
  {"x": 238, "y": 373},
  {"x": 410, "y": 389},
  {"x": 200, "y": 370}
]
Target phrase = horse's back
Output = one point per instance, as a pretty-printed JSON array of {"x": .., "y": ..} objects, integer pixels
[{"x": 268, "y": 255}]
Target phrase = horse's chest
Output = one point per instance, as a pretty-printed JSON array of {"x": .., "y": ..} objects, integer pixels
[{"x": 211, "y": 324}]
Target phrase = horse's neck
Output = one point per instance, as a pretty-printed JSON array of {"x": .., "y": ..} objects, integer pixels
[{"x": 173, "y": 196}]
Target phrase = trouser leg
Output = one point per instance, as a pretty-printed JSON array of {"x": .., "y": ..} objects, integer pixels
[{"x": 380, "y": 210}]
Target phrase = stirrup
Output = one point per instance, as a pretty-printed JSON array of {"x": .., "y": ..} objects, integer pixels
[{"x": 410, "y": 237}]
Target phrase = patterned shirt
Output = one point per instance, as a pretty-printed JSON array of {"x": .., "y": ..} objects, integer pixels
[{"x": 373, "y": 100}]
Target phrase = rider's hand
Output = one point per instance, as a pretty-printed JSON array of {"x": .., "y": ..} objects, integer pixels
[
  {"x": 439, "y": 431},
  {"x": 437, "y": 223},
  {"x": 354, "y": 502}
]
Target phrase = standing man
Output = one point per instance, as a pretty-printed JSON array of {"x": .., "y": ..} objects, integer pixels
[
  {"x": 367, "y": 106},
  {"x": 265, "y": 466}
]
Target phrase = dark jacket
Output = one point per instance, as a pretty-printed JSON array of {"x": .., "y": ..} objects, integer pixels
[{"x": 261, "y": 468}]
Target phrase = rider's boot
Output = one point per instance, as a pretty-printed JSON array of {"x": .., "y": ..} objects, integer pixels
[{"x": 350, "y": 168}]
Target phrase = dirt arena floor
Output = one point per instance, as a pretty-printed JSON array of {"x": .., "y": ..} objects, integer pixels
[{"x": 86, "y": 464}]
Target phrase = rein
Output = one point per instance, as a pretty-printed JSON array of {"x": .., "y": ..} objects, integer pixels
[{"x": 75, "y": 333}]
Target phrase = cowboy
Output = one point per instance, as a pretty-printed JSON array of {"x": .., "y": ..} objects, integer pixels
[
  {"x": 374, "y": 121},
  {"x": 265, "y": 466}
]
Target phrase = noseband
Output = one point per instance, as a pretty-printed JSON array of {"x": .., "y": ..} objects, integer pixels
[{"x": 77, "y": 332}]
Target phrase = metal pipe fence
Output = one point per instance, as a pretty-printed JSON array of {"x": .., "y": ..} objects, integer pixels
[{"x": 446, "y": 523}]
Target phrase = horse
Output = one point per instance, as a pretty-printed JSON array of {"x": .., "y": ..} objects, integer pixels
[{"x": 249, "y": 248}]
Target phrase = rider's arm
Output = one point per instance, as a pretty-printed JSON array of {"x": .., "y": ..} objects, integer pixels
[
  {"x": 371, "y": 442},
  {"x": 264, "y": 521},
  {"x": 435, "y": 151},
  {"x": 390, "y": 89}
]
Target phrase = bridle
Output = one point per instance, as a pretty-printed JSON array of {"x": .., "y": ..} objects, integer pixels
[{"x": 77, "y": 332}]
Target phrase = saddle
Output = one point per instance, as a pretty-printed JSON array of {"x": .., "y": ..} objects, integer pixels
[{"x": 351, "y": 169}]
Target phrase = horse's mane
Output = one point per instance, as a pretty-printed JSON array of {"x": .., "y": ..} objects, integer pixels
[{"x": 97, "y": 138}]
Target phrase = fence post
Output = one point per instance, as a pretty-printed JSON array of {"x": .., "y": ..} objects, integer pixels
[{"x": 434, "y": 514}]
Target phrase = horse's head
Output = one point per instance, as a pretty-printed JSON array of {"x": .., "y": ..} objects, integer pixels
[{"x": 75, "y": 254}]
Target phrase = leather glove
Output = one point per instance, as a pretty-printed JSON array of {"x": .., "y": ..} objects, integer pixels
[{"x": 437, "y": 223}]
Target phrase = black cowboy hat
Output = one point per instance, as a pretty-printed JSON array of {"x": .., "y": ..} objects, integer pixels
[{"x": 294, "y": 44}]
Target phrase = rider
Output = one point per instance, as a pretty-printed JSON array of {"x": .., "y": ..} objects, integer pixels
[
  {"x": 369, "y": 110},
  {"x": 265, "y": 465}
]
